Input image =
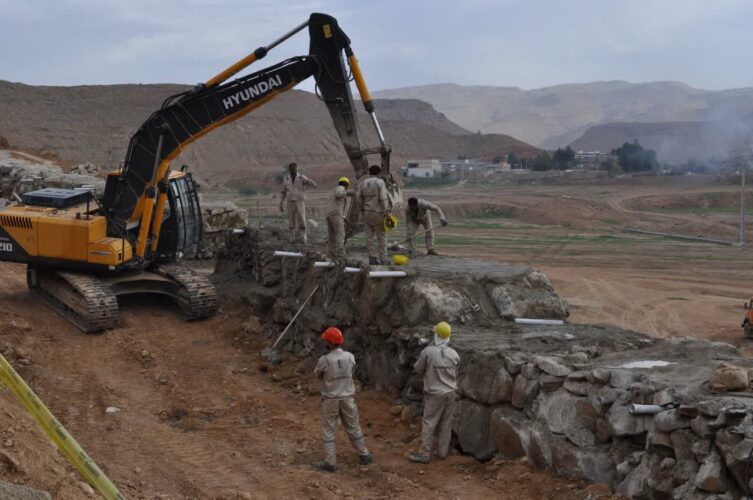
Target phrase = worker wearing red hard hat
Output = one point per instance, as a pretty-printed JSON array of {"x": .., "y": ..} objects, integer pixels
[{"x": 335, "y": 369}]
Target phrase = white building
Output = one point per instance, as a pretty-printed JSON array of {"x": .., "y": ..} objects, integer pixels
[{"x": 423, "y": 168}]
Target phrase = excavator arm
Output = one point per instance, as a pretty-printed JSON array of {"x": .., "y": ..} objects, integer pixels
[{"x": 139, "y": 196}]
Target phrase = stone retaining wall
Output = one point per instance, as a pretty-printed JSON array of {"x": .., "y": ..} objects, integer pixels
[{"x": 558, "y": 395}]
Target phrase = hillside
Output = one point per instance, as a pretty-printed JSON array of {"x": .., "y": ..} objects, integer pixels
[
  {"x": 555, "y": 116},
  {"x": 674, "y": 142},
  {"x": 94, "y": 123}
]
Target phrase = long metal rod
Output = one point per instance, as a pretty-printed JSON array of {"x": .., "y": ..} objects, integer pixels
[
  {"x": 742, "y": 206},
  {"x": 251, "y": 58},
  {"x": 377, "y": 127},
  {"x": 295, "y": 317},
  {"x": 287, "y": 35}
]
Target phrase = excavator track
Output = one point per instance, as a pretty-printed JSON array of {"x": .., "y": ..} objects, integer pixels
[
  {"x": 81, "y": 298},
  {"x": 197, "y": 297}
]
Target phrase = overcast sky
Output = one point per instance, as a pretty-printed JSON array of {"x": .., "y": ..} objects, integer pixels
[{"x": 529, "y": 44}]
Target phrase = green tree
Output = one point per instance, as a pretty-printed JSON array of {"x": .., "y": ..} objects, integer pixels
[
  {"x": 563, "y": 158},
  {"x": 542, "y": 162},
  {"x": 633, "y": 158},
  {"x": 513, "y": 160}
]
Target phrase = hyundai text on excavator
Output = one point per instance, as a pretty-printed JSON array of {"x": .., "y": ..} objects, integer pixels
[{"x": 82, "y": 252}]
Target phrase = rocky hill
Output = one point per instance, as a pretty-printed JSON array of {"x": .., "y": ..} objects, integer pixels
[
  {"x": 556, "y": 116},
  {"x": 94, "y": 123}
]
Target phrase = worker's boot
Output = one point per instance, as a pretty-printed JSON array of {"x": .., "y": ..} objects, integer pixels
[
  {"x": 366, "y": 459},
  {"x": 420, "y": 459},
  {"x": 325, "y": 467},
  {"x": 432, "y": 252}
]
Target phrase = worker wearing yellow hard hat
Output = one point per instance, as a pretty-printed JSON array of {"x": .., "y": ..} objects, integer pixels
[
  {"x": 336, "y": 214},
  {"x": 438, "y": 364}
]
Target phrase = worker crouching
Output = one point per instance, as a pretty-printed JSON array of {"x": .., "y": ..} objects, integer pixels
[
  {"x": 335, "y": 369},
  {"x": 438, "y": 363}
]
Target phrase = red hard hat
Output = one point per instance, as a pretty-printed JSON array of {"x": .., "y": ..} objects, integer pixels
[{"x": 333, "y": 335}]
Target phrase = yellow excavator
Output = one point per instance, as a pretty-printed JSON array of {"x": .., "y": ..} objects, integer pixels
[{"x": 82, "y": 252}]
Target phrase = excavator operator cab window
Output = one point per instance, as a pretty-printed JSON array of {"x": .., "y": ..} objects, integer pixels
[{"x": 181, "y": 229}]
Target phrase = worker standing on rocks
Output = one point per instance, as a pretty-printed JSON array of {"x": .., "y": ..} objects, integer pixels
[
  {"x": 294, "y": 191},
  {"x": 438, "y": 363},
  {"x": 374, "y": 205},
  {"x": 336, "y": 214},
  {"x": 418, "y": 214},
  {"x": 335, "y": 369}
]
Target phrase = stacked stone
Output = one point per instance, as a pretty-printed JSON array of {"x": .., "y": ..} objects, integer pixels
[
  {"x": 577, "y": 421},
  {"x": 558, "y": 395},
  {"x": 219, "y": 219},
  {"x": 23, "y": 176}
]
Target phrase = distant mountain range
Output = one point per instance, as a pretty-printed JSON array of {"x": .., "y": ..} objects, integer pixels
[
  {"x": 681, "y": 122},
  {"x": 94, "y": 123}
]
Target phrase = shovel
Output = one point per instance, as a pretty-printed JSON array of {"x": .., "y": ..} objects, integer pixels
[
  {"x": 269, "y": 353},
  {"x": 396, "y": 246}
]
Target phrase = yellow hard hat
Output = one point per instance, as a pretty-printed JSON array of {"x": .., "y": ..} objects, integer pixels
[
  {"x": 443, "y": 329},
  {"x": 400, "y": 260},
  {"x": 344, "y": 179},
  {"x": 390, "y": 223}
]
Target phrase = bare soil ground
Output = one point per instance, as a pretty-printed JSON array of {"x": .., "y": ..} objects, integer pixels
[{"x": 201, "y": 416}]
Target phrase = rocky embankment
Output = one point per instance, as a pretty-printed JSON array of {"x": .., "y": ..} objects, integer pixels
[{"x": 564, "y": 396}]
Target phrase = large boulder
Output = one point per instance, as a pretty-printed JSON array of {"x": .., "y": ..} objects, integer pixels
[{"x": 9, "y": 491}]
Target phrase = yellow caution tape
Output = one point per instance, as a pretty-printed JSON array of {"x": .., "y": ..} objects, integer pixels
[{"x": 55, "y": 430}]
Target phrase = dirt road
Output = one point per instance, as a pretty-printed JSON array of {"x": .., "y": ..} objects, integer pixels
[{"x": 199, "y": 418}]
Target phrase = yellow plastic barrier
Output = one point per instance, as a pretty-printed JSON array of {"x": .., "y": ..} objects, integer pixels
[{"x": 55, "y": 430}]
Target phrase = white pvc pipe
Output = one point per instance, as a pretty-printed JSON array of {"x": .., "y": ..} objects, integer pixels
[
  {"x": 324, "y": 263},
  {"x": 239, "y": 231},
  {"x": 387, "y": 274},
  {"x": 637, "y": 409},
  {"x": 352, "y": 269},
  {"x": 531, "y": 321},
  {"x": 280, "y": 253}
]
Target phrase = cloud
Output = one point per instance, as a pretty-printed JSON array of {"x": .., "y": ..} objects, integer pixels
[{"x": 488, "y": 42}]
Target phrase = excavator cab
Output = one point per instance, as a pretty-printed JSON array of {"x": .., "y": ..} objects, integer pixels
[{"x": 181, "y": 228}]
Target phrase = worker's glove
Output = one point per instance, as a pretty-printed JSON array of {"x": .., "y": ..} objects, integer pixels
[
  {"x": 443, "y": 222},
  {"x": 282, "y": 207}
]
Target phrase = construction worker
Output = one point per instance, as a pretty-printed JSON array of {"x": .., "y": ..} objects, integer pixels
[
  {"x": 294, "y": 191},
  {"x": 335, "y": 369},
  {"x": 748, "y": 320},
  {"x": 438, "y": 363},
  {"x": 418, "y": 213},
  {"x": 336, "y": 220},
  {"x": 373, "y": 203}
]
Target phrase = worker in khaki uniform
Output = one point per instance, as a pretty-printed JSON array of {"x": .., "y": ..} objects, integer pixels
[
  {"x": 335, "y": 369},
  {"x": 294, "y": 191},
  {"x": 438, "y": 363},
  {"x": 418, "y": 214},
  {"x": 374, "y": 205},
  {"x": 336, "y": 220}
]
